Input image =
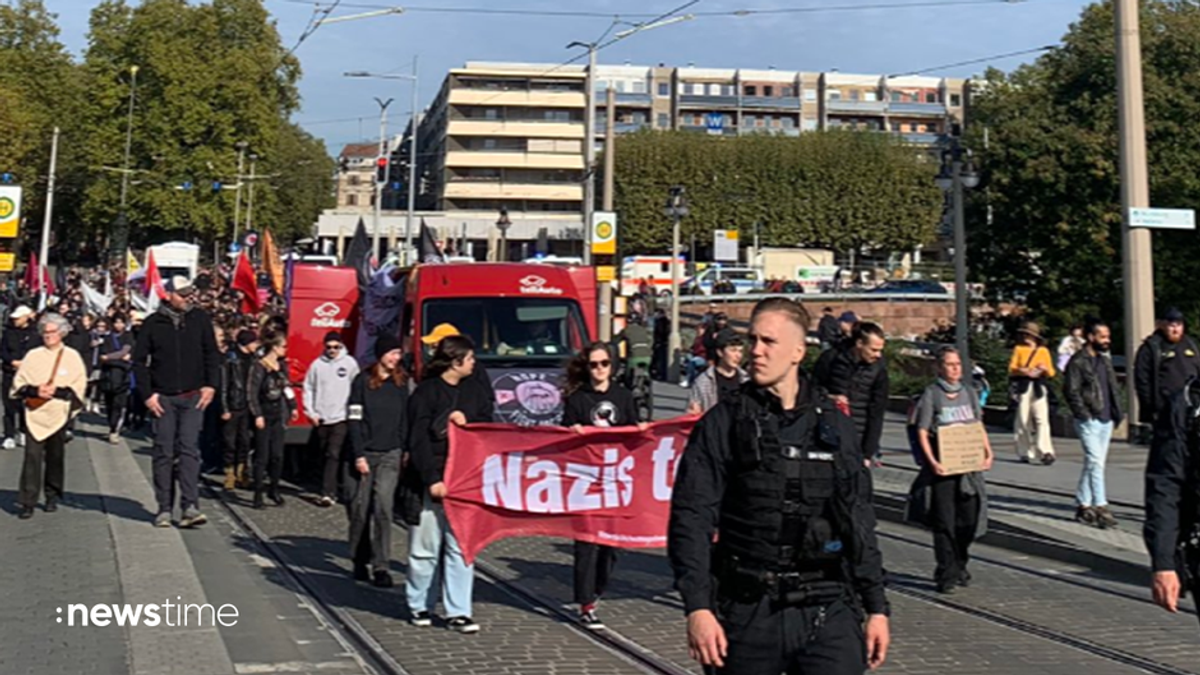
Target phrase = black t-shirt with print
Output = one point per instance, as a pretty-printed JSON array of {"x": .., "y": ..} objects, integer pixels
[{"x": 590, "y": 408}]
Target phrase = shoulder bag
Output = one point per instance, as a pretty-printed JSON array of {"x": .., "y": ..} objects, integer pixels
[{"x": 35, "y": 402}]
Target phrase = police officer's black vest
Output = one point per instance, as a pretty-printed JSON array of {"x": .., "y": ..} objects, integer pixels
[{"x": 788, "y": 507}]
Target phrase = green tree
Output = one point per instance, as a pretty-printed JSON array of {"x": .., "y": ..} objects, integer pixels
[
  {"x": 839, "y": 189},
  {"x": 1051, "y": 167}
]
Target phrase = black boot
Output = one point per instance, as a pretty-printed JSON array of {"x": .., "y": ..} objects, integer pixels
[
  {"x": 273, "y": 494},
  {"x": 361, "y": 572},
  {"x": 258, "y": 497},
  {"x": 382, "y": 579}
]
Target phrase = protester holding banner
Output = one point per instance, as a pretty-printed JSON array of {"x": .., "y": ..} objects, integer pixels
[
  {"x": 379, "y": 430},
  {"x": 953, "y": 506},
  {"x": 439, "y": 401},
  {"x": 594, "y": 399},
  {"x": 777, "y": 471}
]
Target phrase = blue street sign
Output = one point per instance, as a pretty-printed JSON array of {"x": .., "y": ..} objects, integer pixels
[
  {"x": 187, "y": 185},
  {"x": 396, "y": 186},
  {"x": 216, "y": 186},
  {"x": 715, "y": 122},
  {"x": 235, "y": 247},
  {"x": 7, "y": 177}
]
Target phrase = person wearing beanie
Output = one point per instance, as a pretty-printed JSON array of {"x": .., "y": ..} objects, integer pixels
[
  {"x": 1164, "y": 363},
  {"x": 326, "y": 393},
  {"x": 235, "y": 415},
  {"x": 378, "y": 423}
]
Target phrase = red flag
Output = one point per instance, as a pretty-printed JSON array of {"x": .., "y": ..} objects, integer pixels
[
  {"x": 605, "y": 486},
  {"x": 244, "y": 280},
  {"x": 154, "y": 281},
  {"x": 37, "y": 277}
]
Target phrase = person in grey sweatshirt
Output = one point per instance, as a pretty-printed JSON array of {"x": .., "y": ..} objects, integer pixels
[{"x": 326, "y": 392}]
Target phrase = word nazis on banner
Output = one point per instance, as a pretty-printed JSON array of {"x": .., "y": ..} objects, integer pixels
[{"x": 606, "y": 486}]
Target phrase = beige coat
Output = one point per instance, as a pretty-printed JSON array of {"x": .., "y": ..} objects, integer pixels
[{"x": 35, "y": 370}]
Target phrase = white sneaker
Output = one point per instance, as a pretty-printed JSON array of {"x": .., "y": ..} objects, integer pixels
[
  {"x": 10, "y": 444},
  {"x": 21, "y": 438}
]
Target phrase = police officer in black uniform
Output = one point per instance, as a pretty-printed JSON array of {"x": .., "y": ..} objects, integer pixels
[
  {"x": 792, "y": 584},
  {"x": 1172, "y": 527},
  {"x": 1165, "y": 361}
]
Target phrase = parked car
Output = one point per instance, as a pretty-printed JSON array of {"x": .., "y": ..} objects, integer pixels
[{"x": 914, "y": 286}]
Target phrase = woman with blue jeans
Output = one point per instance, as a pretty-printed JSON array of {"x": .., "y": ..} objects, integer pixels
[{"x": 1092, "y": 394}]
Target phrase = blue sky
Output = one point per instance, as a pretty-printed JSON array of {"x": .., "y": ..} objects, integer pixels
[{"x": 884, "y": 40}]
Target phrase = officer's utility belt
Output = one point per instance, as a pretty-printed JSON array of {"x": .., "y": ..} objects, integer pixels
[{"x": 819, "y": 587}]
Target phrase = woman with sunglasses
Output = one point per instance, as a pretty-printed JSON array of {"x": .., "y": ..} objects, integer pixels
[
  {"x": 595, "y": 399},
  {"x": 272, "y": 405}
]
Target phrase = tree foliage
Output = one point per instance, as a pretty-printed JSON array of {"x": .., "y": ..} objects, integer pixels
[
  {"x": 210, "y": 75},
  {"x": 837, "y": 189},
  {"x": 1051, "y": 167}
]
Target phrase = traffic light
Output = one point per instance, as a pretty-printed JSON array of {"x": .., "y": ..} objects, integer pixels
[{"x": 381, "y": 170}]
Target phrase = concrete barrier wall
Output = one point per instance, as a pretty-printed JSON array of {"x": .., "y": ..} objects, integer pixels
[{"x": 899, "y": 318}]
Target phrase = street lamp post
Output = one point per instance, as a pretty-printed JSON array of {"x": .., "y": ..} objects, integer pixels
[
  {"x": 412, "y": 151},
  {"x": 675, "y": 209},
  {"x": 119, "y": 238},
  {"x": 250, "y": 202},
  {"x": 502, "y": 224},
  {"x": 957, "y": 173},
  {"x": 237, "y": 189}
]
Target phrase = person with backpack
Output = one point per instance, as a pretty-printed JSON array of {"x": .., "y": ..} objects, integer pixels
[{"x": 954, "y": 507}]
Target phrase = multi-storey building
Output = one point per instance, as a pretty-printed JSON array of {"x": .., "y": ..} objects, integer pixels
[
  {"x": 356, "y": 177},
  {"x": 510, "y": 136}
]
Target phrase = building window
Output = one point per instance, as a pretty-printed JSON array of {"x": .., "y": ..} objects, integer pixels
[
  {"x": 664, "y": 121},
  {"x": 639, "y": 117},
  {"x": 768, "y": 91},
  {"x": 639, "y": 87},
  {"x": 854, "y": 94},
  {"x": 955, "y": 100},
  {"x": 689, "y": 88},
  {"x": 489, "y": 144},
  {"x": 870, "y": 96},
  {"x": 789, "y": 92},
  {"x": 749, "y": 120},
  {"x": 354, "y": 181},
  {"x": 351, "y": 200},
  {"x": 896, "y": 97},
  {"x": 834, "y": 95},
  {"x": 664, "y": 89},
  {"x": 810, "y": 124},
  {"x": 620, "y": 86},
  {"x": 810, "y": 94},
  {"x": 750, "y": 90},
  {"x": 789, "y": 123},
  {"x": 931, "y": 97}
]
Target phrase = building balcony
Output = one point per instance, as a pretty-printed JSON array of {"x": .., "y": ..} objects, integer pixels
[
  {"x": 538, "y": 99},
  {"x": 517, "y": 129},
  {"x": 623, "y": 127},
  {"x": 770, "y": 103},
  {"x": 856, "y": 107},
  {"x": 922, "y": 139},
  {"x": 934, "y": 109},
  {"x": 468, "y": 159},
  {"x": 624, "y": 98},
  {"x": 475, "y": 189},
  {"x": 697, "y": 101},
  {"x": 700, "y": 128}
]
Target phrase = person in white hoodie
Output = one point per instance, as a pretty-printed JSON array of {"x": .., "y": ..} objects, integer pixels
[{"x": 326, "y": 392}]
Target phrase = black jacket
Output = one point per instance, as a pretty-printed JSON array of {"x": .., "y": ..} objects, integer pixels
[
  {"x": 269, "y": 394},
  {"x": 172, "y": 360},
  {"x": 235, "y": 377},
  {"x": 16, "y": 343},
  {"x": 829, "y": 330},
  {"x": 1172, "y": 492},
  {"x": 1160, "y": 370},
  {"x": 429, "y": 408},
  {"x": 590, "y": 408},
  {"x": 838, "y": 370},
  {"x": 115, "y": 370},
  {"x": 700, "y": 489},
  {"x": 81, "y": 341},
  {"x": 378, "y": 417},
  {"x": 1082, "y": 388}
]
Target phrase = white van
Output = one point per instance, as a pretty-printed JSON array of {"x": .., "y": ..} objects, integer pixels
[
  {"x": 654, "y": 269},
  {"x": 176, "y": 258}
]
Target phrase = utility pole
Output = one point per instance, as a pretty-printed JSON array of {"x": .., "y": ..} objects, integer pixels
[
  {"x": 237, "y": 200},
  {"x": 380, "y": 181},
  {"x": 250, "y": 203},
  {"x": 1138, "y": 267},
  {"x": 412, "y": 171},
  {"x": 133, "y": 70},
  {"x": 44, "y": 252},
  {"x": 676, "y": 209},
  {"x": 589, "y": 149},
  {"x": 610, "y": 146}
]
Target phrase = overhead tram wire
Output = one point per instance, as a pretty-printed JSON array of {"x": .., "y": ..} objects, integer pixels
[
  {"x": 971, "y": 62},
  {"x": 732, "y": 13}
]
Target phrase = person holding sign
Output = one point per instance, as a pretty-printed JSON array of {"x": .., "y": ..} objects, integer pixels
[{"x": 953, "y": 498}]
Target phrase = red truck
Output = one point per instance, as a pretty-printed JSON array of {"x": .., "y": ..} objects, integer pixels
[{"x": 526, "y": 320}]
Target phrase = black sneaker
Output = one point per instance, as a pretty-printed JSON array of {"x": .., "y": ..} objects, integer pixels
[
  {"x": 1085, "y": 515},
  {"x": 462, "y": 624},
  {"x": 1104, "y": 518},
  {"x": 25, "y": 513},
  {"x": 361, "y": 573},
  {"x": 1048, "y": 459},
  {"x": 590, "y": 621},
  {"x": 946, "y": 587},
  {"x": 382, "y": 579},
  {"x": 421, "y": 619},
  {"x": 51, "y": 505},
  {"x": 964, "y": 579}
]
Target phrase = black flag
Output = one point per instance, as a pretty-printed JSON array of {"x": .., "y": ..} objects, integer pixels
[
  {"x": 430, "y": 253},
  {"x": 358, "y": 255}
]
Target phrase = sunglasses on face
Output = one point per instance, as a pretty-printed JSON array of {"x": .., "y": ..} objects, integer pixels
[
  {"x": 333, "y": 348},
  {"x": 599, "y": 364}
]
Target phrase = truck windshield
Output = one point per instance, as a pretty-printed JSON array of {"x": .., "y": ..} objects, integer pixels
[{"x": 525, "y": 330}]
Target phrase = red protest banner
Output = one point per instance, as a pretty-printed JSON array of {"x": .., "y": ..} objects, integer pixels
[{"x": 606, "y": 486}]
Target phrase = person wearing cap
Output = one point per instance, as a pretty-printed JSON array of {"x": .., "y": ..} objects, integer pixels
[
  {"x": 846, "y": 322},
  {"x": 326, "y": 391},
  {"x": 723, "y": 378},
  {"x": 1164, "y": 363},
  {"x": 18, "y": 339},
  {"x": 1029, "y": 371},
  {"x": 479, "y": 375},
  {"x": 720, "y": 322},
  {"x": 377, "y": 420},
  {"x": 177, "y": 367},
  {"x": 235, "y": 415}
]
